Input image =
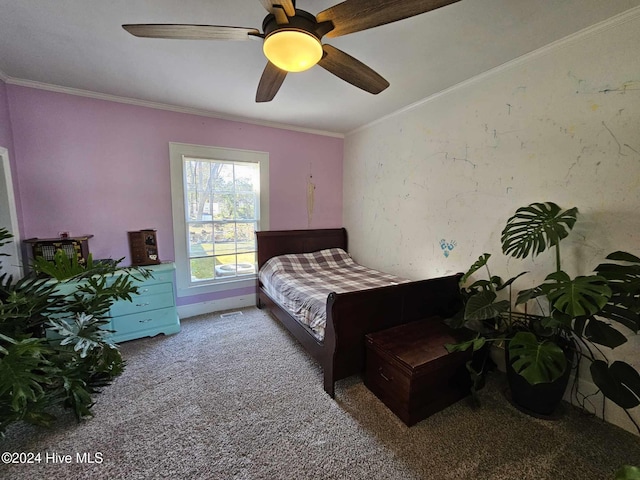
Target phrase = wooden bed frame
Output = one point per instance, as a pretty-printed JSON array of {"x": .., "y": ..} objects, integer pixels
[{"x": 350, "y": 316}]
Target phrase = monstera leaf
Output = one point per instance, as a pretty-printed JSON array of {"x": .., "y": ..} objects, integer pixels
[
  {"x": 534, "y": 228},
  {"x": 619, "y": 382},
  {"x": 628, "y": 472},
  {"x": 475, "y": 343},
  {"x": 536, "y": 361},
  {"x": 599, "y": 332},
  {"x": 623, "y": 278},
  {"x": 483, "y": 306},
  {"x": 529, "y": 294},
  {"x": 481, "y": 262},
  {"x": 579, "y": 296}
]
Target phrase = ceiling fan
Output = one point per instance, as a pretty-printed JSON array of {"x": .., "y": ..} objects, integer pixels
[{"x": 292, "y": 38}]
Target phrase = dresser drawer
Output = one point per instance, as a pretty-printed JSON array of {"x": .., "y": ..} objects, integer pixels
[
  {"x": 156, "y": 296},
  {"x": 158, "y": 276},
  {"x": 130, "y": 326},
  {"x": 153, "y": 289}
]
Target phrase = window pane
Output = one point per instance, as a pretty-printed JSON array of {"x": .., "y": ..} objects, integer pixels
[
  {"x": 232, "y": 265},
  {"x": 223, "y": 176},
  {"x": 245, "y": 206},
  {"x": 200, "y": 239},
  {"x": 247, "y": 177},
  {"x": 197, "y": 189},
  {"x": 225, "y": 238},
  {"x": 247, "y": 263},
  {"x": 223, "y": 207},
  {"x": 246, "y": 237},
  {"x": 225, "y": 266},
  {"x": 202, "y": 269}
]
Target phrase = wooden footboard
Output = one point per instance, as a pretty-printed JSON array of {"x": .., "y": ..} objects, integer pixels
[{"x": 350, "y": 316}]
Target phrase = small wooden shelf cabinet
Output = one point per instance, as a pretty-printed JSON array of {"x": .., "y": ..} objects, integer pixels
[{"x": 144, "y": 247}]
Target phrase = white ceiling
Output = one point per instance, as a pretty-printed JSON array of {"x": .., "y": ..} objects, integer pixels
[{"x": 80, "y": 44}]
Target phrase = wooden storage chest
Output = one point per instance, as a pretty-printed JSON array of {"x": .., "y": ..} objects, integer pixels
[{"x": 409, "y": 369}]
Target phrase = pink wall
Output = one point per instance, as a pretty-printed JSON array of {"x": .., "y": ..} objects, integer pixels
[{"x": 100, "y": 167}]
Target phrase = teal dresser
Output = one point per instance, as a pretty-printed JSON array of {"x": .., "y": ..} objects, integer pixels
[{"x": 152, "y": 310}]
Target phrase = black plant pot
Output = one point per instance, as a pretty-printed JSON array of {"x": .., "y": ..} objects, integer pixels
[{"x": 541, "y": 399}]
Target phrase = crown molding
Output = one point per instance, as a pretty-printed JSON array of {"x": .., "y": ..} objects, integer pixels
[
  {"x": 594, "y": 29},
  {"x": 160, "y": 106}
]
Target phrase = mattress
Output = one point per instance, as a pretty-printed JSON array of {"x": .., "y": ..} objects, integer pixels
[{"x": 302, "y": 282}]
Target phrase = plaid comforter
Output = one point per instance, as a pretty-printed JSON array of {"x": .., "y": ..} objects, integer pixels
[{"x": 302, "y": 282}]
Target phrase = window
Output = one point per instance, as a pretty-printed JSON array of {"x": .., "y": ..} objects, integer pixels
[{"x": 220, "y": 199}]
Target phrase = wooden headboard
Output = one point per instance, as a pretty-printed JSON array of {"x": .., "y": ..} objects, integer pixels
[{"x": 280, "y": 242}]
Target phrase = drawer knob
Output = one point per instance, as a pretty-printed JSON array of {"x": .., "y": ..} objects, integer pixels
[
  {"x": 381, "y": 372},
  {"x": 145, "y": 320},
  {"x": 142, "y": 304}
]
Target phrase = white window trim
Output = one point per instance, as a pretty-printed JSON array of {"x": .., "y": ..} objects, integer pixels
[
  {"x": 176, "y": 153},
  {"x": 9, "y": 219}
]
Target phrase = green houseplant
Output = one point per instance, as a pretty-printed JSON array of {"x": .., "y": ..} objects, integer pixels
[
  {"x": 571, "y": 319},
  {"x": 53, "y": 350},
  {"x": 628, "y": 472}
]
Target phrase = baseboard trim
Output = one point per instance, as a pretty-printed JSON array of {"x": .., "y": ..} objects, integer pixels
[{"x": 201, "y": 308}]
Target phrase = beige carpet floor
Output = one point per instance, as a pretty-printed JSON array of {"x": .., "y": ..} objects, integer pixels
[{"x": 238, "y": 398}]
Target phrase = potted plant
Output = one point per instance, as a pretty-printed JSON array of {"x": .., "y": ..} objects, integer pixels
[
  {"x": 54, "y": 351},
  {"x": 628, "y": 472},
  {"x": 571, "y": 318}
]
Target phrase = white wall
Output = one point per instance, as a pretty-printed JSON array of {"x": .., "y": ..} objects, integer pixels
[{"x": 561, "y": 124}]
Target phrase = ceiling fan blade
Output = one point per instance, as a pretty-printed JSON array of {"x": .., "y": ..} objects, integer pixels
[
  {"x": 191, "y": 32},
  {"x": 286, "y": 5},
  {"x": 351, "y": 70},
  {"x": 356, "y": 15},
  {"x": 272, "y": 78}
]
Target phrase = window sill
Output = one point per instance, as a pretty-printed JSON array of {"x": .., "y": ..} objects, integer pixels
[{"x": 217, "y": 286}]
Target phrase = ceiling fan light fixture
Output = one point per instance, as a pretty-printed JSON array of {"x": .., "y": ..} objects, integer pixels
[{"x": 292, "y": 50}]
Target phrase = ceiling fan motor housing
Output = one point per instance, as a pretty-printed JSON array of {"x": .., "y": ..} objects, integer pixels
[{"x": 302, "y": 21}]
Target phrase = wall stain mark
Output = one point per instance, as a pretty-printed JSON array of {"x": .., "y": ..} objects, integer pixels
[
  {"x": 495, "y": 133},
  {"x": 615, "y": 139},
  {"x": 631, "y": 148},
  {"x": 624, "y": 88},
  {"x": 465, "y": 159},
  {"x": 584, "y": 88},
  {"x": 571, "y": 167}
]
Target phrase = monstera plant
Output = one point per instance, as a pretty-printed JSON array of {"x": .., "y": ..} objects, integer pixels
[
  {"x": 565, "y": 319},
  {"x": 54, "y": 351}
]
